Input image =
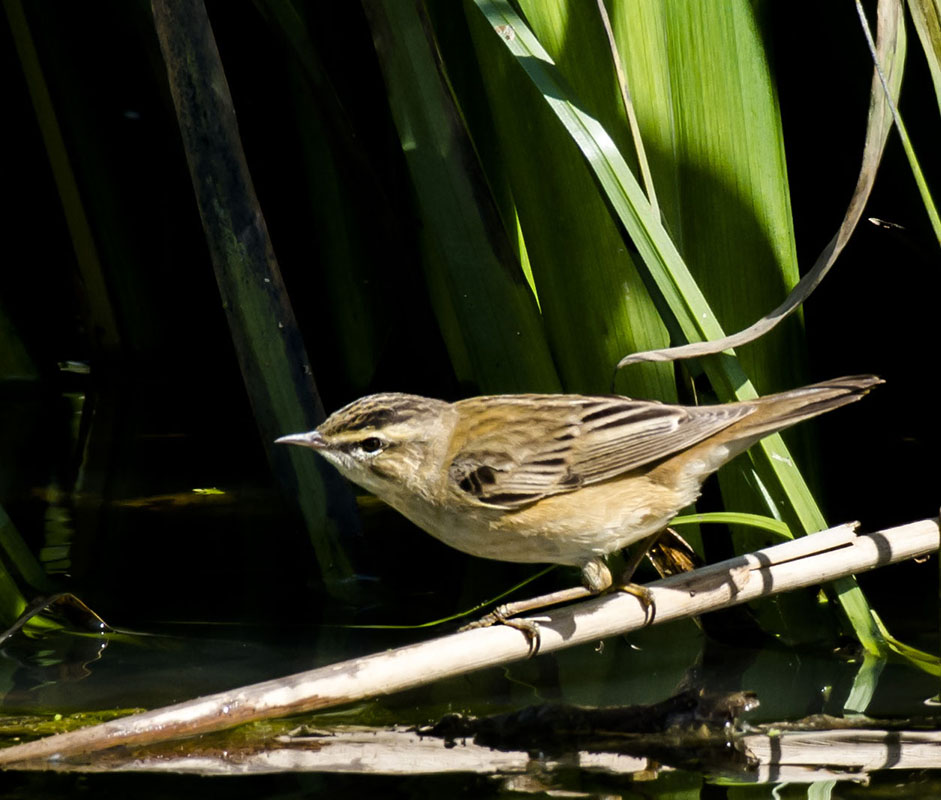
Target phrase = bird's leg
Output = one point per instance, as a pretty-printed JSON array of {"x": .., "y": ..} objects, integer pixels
[
  {"x": 502, "y": 614},
  {"x": 595, "y": 576},
  {"x": 642, "y": 593},
  {"x": 638, "y": 554},
  {"x": 597, "y": 579}
]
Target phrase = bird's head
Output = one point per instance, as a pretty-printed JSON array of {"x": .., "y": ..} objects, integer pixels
[{"x": 383, "y": 442}]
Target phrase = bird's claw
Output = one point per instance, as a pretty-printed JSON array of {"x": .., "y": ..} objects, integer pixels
[{"x": 644, "y": 597}]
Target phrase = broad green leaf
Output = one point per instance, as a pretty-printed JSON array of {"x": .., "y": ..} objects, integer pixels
[{"x": 592, "y": 297}]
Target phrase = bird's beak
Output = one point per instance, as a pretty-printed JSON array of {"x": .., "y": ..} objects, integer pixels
[{"x": 311, "y": 439}]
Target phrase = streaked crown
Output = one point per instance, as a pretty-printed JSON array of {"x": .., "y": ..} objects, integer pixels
[{"x": 387, "y": 412}]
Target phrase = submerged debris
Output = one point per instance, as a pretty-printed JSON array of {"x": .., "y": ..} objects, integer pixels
[{"x": 688, "y": 728}]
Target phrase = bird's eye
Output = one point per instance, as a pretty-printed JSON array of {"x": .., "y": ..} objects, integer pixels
[{"x": 371, "y": 445}]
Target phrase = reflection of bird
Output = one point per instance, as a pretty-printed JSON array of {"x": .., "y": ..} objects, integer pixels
[{"x": 564, "y": 479}]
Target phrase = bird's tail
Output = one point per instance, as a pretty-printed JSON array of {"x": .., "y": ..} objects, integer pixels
[{"x": 776, "y": 412}]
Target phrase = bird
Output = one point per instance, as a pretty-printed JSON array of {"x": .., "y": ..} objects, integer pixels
[{"x": 551, "y": 478}]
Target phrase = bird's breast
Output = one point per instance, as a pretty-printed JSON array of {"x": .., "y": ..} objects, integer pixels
[{"x": 569, "y": 528}]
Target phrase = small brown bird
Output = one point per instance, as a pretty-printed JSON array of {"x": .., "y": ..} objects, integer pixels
[{"x": 564, "y": 479}]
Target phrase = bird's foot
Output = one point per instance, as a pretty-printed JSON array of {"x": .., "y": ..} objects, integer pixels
[
  {"x": 644, "y": 597},
  {"x": 501, "y": 616}
]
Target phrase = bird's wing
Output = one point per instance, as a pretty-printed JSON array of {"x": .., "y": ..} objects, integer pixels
[{"x": 516, "y": 449}]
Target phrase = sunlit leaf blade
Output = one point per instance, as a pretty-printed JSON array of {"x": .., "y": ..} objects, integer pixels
[
  {"x": 592, "y": 297},
  {"x": 706, "y": 105},
  {"x": 691, "y": 315},
  {"x": 735, "y": 518}
]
